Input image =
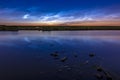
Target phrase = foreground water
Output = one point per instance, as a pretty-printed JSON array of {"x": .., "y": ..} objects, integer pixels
[{"x": 59, "y": 55}]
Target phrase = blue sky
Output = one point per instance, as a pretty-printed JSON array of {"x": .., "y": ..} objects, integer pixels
[{"x": 58, "y": 11}]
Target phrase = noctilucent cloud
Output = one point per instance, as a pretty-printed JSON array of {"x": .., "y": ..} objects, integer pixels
[{"x": 60, "y": 12}]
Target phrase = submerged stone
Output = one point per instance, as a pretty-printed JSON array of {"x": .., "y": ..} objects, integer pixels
[
  {"x": 86, "y": 62},
  {"x": 63, "y": 59},
  {"x": 69, "y": 68},
  {"x": 60, "y": 70},
  {"x": 56, "y": 58},
  {"x": 99, "y": 69},
  {"x": 109, "y": 77},
  {"x": 54, "y": 54},
  {"x": 75, "y": 55},
  {"x": 99, "y": 76},
  {"x": 66, "y": 66},
  {"x": 91, "y": 54}
]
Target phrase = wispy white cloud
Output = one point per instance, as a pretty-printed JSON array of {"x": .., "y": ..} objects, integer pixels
[{"x": 59, "y": 17}]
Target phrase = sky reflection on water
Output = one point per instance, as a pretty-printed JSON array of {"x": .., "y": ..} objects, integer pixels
[{"x": 27, "y": 53}]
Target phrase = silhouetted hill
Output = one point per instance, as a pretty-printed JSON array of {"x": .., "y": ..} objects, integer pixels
[{"x": 57, "y": 28}]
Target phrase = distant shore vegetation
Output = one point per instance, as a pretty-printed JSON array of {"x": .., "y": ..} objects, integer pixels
[{"x": 57, "y": 28}]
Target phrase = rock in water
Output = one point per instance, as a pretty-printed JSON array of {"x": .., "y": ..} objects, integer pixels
[
  {"x": 109, "y": 78},
  {"x": 98, "y": 76},
  {"x": 75, "y": 55},
  {"x": 99, "y": 69},
  {"x": 91, "y": 54},
  {"x": 107, "y": 75},
  {"x": 63, "y": 59},
  {"x": 54, "y": 54},
  {"x": 86, "y": 62}
]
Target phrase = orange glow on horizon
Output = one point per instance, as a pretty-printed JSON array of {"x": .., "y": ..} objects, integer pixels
[{"x": 86, "y": 23}]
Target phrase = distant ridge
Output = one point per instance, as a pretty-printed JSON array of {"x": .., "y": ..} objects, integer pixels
[{"x": 57, "y": 28}]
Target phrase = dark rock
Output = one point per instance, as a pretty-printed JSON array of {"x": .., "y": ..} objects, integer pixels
[
  {"x": 63, "y": 59},
  {"x": 66, "y": 66},
  {"x": 60, "y": 70},
  {"x": 99, "y": 69},
  {"x": 54, "y": 54},
  {"x": 91, "y": 54},
  {"x": 75, "y": 55},
  {"x": 56, "y": 58},
  {"x": 109, "y": 77},
  {"x": 86, "y": 62},
  {"x": 69, "y": 69},
  {"x": 98, "y": 76}
]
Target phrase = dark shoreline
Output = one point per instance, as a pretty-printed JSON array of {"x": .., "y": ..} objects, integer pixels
[{"x": 57, "y": 28}]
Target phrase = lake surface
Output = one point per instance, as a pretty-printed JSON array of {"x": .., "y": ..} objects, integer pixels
[{"x": 59, "y": 55}]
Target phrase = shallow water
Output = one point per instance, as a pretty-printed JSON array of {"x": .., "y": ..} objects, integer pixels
[{"x": 26, "y": 55}]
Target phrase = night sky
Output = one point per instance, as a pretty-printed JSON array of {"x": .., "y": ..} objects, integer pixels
[{"x": 60, "y": 12}]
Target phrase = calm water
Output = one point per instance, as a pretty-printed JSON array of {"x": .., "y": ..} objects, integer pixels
[{"x": 26, "y": 55}]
